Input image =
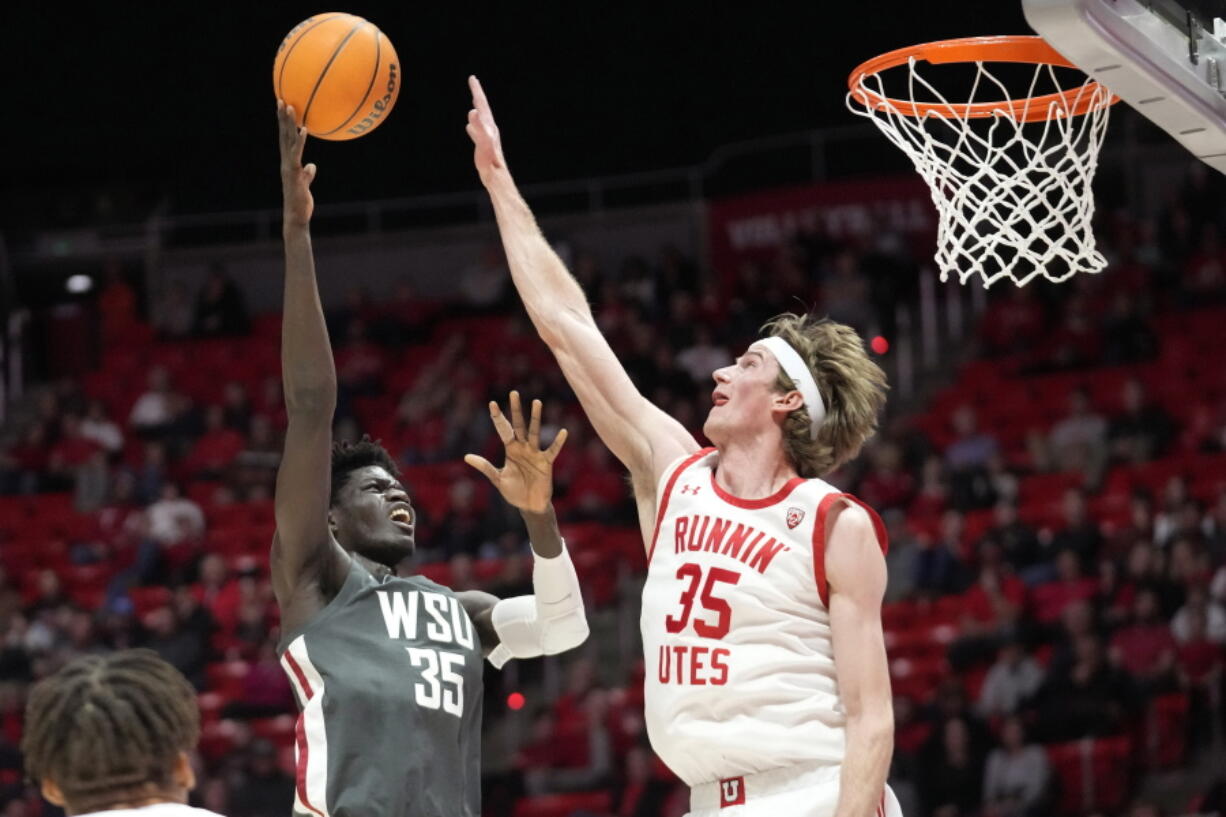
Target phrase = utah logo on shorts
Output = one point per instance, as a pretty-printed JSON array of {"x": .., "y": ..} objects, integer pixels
[
  {"x": 795, "y": 515},
  {"x": 732, "y": 792}
]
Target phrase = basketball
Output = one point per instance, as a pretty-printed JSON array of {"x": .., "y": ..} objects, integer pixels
[{"x": 340, "y": 74}]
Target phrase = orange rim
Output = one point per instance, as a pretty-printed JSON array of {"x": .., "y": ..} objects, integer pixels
[{"x": 1022, "y": 49}]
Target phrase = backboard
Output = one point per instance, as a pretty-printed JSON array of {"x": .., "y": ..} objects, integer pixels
[{"x": 1165, "y": 58}]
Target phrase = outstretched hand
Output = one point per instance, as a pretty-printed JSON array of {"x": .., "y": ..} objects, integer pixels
[
  {"x": 481, "y": 128},
  {"x": 295, "y": 179},
  {"x": 526, "y": 478}
]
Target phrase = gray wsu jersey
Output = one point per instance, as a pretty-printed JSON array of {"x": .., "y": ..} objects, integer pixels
[{"x": 388, "y": 680}]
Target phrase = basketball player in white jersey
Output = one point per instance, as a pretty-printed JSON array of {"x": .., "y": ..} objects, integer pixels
[
  {"x": 110, "y": 735},
  {"x": 767, "y": 684}
]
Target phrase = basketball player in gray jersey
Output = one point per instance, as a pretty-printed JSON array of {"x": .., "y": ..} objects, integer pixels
[{"x": 387, "y": 668}]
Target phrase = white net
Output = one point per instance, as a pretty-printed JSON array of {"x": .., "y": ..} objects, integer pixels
[{"x": 1014, "y": 196}]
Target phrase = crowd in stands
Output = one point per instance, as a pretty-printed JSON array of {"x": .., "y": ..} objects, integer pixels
[{"x": 1057, "y": 515}]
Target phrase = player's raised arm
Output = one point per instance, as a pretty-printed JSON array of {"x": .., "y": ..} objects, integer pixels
[
  {"x": 551, "y": 620},
  {"x": 304, "y": 555},
  {"x": 856, "y": 576},
  {"x": 643, "y": 437}
]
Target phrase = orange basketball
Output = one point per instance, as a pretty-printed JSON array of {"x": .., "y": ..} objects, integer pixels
[{"x": 339, "y": 73}]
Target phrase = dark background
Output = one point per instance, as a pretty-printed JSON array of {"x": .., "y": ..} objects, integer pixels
[{"x": 172, "y": 102}]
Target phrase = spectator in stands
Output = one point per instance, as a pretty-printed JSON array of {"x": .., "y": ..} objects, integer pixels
[
  {"x": 596, "y": 750},
  {"x": 1010, "y": 682},
  {"x": 598, "y": 491},
  {"x": 901, "y": 558},
  {"x": 101, "y": 429},
  {"x": 1076, "y": 342},
  {"x": 175, "y": 518},
  {"x": 236, "y": 404},
  {"x": 153, "y": 410},
  {"x": 1079, "y": 534},
  {"x": 1145, "y": 648},
  {"x": 1202, "y": 609},
  {"x": 703, "y": 356},
  {"x": 1050, "y": 600},
  {"x": 116, "y": 303},
  {"x": 213, "y": 452},
  {"x": 1175, "y": 498},
  {"x": 939, "y": 567},
  {"x": 1017, "y": 780},
  {"x": 1204, "y": 277},
  {"x": 951, "y": 783},
  {"x": 1127, "y": 337},
  {"x": 1087, "y": 698},
  {"x": 466, "y": 525},
  {"x": 484, "y": 284},
  {"x": 173, "y": 313},
  {"x": 887, "y": 485},
  {"x": 71, "y": 451},
  {"x": 1199, "y": 670},
  {"x": 1142, "y": 431},
  {"x": 639, "y": 792},
  {"x": 220, "y": 307},
  {"x": 1079, "y": 441},
  {"x": 992, "y": 610},
  {"x": 181, "y": 648},
  {"x": 264, "y": 790},
  {"x": 1018, "y": 542},
  {"x": 1138, "y": 529},
  {"x": 968, "y": 455}
]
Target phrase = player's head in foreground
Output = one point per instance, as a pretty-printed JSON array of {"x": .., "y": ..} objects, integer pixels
[
  {"x": 369, "y": 511},
  {"x": 807, "y": 383},
  {"x": 112, "y": 731}
]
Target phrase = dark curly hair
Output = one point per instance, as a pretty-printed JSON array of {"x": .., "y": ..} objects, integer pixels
[
  {"x": 349, "y": 457},
  {"x": 107, "y": 727}
]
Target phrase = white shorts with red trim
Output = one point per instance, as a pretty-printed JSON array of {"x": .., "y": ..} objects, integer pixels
[{"x": 795, "y": 791}]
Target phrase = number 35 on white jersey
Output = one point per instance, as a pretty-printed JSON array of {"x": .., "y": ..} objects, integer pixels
[{"x": 736, "y": 631}]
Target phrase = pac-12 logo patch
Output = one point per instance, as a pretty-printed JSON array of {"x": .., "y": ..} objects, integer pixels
[
  {"x": 795, "y": 515},
  {"x": 732, "y": 792}
]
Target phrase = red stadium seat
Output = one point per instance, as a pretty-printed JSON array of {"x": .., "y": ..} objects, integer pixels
[
  {"x": 1166, "y": 729},
  {"x": 1091, "y": 774}
]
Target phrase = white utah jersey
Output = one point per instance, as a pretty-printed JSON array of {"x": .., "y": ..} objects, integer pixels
[{"x": 736, "y": 630}]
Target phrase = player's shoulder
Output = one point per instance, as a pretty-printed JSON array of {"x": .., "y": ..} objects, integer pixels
[{"x": 156, "y": 810}]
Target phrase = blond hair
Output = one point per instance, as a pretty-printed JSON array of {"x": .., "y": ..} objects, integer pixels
[{"x": 852, "y": 386}]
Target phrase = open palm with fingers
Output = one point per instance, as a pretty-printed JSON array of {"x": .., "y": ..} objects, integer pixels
[{"x": 526, "y": 478}]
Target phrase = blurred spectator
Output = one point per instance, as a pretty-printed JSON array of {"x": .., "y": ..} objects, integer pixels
[
  {"x": 175, "y": 519},
  {"x": 901, "y": 558},
  {"x": 1016, "y": 782},
  {"x": 1200, "y": 608},
  {"x": 1018, "y": 542},
  {"x": 1050, "y": 599},
  {"x": 971, "y": 448},
  {"x": 1127, "y": 337},
  {"x": 1079, "y": 441},
  {"x": 1013, "y": 323},
  {"x": 1088, "y": 698},
  {"x": 1142, "y": 430},
  {"x": 116, "y": 304},
  {"x": 1010, "y": 682},
  {"x": 703, "y": 356},
  {"x": 179, "y": 647},
  {"x": 237, "y": 407},
  {"x": 1145, "y": 648},
  {"x": 639, "y": 792},
  {"x": 215, "y": 449},
  {"x": 173, "y": 314},
  {"x": 153, "y": 410},
  {"x": 360, "y": 363},
  {"x": 265, "y": 790},
  {"x": 887, "y": 485},
  {"x": 992, "y": 610},
  {"x": 939, "y": 569},
  {"x": 1199, "y": 666},
  {"x": 1079, "y": 534},
  {"x": 101, "y": 429},
  {"x": 952, "y": 781},
  {"x": 220, "y": 307},
  {"x": 484, "y": 284}
]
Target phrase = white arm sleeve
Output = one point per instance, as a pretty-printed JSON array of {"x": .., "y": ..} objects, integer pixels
[{"x": 551, "y": 621}]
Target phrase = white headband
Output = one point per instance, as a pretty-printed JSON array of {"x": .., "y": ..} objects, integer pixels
[{"x": 794, "y": 366}]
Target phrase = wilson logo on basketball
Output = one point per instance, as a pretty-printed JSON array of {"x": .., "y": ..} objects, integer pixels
[{"x": 795, "y": 517}]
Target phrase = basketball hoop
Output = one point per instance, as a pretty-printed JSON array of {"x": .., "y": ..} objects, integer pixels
[{"x": 1010, "y": 177}]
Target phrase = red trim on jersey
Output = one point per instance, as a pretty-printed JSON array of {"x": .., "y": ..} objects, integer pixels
[
  {"x": 300, "y": 735},
  {"x": 819, "y": 539},
  {"x": 755, "y": 504},
  {"x": 668, "y": 490}
]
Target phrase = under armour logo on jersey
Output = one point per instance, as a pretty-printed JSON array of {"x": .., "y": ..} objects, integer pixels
[
  {"x": 795, "y": 515},
  {"x": 689, "y": 489},
  {"x": 732, "y": 792}
]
